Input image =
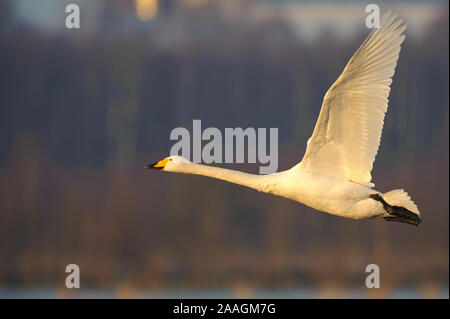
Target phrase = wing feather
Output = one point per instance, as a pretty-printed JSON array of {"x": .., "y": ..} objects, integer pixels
[{"x": 347, "y": 134}]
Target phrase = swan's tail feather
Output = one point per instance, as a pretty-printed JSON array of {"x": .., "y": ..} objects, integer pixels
[
  {"x": 399, "y": 206},
  {"x": 398, "y": 197}
]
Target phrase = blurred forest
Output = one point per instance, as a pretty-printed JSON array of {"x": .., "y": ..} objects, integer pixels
[{"x": 82, "y": 113}]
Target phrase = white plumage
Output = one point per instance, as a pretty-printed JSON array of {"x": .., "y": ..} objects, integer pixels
[
  {"x": 347, "y": 134},
  {"x": 334, "y": 175}
]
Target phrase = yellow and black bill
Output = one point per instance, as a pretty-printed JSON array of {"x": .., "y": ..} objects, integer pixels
[{"x": 158, "y": 165}]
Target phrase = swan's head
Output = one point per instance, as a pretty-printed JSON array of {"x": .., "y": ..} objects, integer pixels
[{"x": 170, "y": 163}]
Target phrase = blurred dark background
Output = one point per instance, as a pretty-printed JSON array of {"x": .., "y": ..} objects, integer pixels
[{"x": 83, "y": 110}]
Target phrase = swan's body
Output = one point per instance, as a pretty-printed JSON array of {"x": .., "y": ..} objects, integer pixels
[{"x": 334, "y": 175}]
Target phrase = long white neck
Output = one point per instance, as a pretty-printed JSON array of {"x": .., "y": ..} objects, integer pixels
[{"x": 258, "y": 182}]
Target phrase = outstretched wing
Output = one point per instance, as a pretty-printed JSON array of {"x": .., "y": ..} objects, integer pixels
[{"x": 347, "y": 134}]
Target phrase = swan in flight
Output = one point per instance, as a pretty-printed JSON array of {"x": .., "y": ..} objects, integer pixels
[{"x": 334, "y": 175}]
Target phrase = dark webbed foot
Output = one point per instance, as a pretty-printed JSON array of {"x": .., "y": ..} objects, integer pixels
[
  {"x": 414, "y": 220},
  {"x": 398, "y": 213}
]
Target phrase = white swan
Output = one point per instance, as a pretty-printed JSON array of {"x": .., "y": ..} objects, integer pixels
[{"x": 334, "y": 174}]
